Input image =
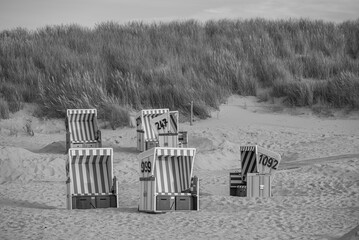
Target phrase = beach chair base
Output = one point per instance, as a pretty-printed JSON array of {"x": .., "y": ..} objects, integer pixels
[
  {"x": 176, "y": 203},
  {"x": 182, "y": 139},
  {"x": 165, "y": 203},
  {"x": 88, "y": 202},
  {"x": 184, "y": 203},
  {"x": 259, "y": 185},
  {"x": 237, "y": 186},
  {"x": 256, "y": 185},
  {"x": 83, "y": 145},
  {"x": 239, "y": 191}
]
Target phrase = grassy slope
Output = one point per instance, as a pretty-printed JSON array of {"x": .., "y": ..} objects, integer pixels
[{"x": 141, "y": 65}]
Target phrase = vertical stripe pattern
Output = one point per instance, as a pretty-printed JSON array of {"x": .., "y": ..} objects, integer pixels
[
  {"x": 259, "y": 185},
  {"x": 248, "y": 160},
  {"x": 82, "y": 125},
  {"x": 91, "y": 170},
  {"x": 147, "y": 199},
  {"x": 173, "y": 173},
  {"x": 145, "y": 124},
  {"x": 168, "y": 140}
]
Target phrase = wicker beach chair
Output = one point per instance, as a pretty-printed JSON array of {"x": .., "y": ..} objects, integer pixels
[
  {"x": 258, "y": 166},
  {"x": 81, "y": 129},
  {"x": 159, "y": 128},
  {"x": 90, "y": 180},
  {"x": 166, "y": 180}
]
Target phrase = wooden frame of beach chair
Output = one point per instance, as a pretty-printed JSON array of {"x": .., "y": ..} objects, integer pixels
[
  {"x": 90, "y": 179},
  {"x": 148, "y": 137},
  {"x": 81, "y": 129},
  {"x": 166, "y": 181},
  {"x": 258, "y": 166}
]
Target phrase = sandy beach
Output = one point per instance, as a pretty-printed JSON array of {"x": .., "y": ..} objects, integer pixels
[{"x": 315, "y": 191}]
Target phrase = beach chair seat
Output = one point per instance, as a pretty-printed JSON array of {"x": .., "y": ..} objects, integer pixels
[
  {"x": 81, "y": 129},
  {"x": 166, "y": 180},
  {"x": 90, "y": 180}
]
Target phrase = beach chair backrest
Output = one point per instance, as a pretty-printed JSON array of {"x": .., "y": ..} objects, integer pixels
[
  {"x": 248, "y": 160},
  {"x": 82, "y": 125},
  {"x": 144, "y": 122},
  {"x": 173, "y": 170},
  {"x": 90, "y": 170}
]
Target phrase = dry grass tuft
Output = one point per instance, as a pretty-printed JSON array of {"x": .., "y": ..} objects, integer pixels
[{"x": 169, "y": 65}]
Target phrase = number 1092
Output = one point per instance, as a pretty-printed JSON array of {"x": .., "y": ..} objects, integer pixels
[{"x": 268, "y": 161}]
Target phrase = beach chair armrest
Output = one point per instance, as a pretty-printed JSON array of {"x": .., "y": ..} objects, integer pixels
[
  {"x": 194, "y": 189},
  {"x": 114, "y": 188},
  {"x": 98, "y": 135},
  {"x": 189, "y": 190}
]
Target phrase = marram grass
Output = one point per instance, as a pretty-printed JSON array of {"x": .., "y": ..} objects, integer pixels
[{"x": 158, "y": 65}]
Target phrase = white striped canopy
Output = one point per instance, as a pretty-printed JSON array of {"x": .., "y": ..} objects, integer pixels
[
  {"x": 173, "y": 169},
  {"x": 90, "y": 170},
  {"x": 176, "y": 151},
  {"x": 145, "y": 116},
  {"x": 82, "y": 125}
]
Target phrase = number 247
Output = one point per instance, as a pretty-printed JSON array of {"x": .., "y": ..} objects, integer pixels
[{"x": 161, "y": 124}]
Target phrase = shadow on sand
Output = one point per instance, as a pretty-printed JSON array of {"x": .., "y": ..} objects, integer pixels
[
  {"x": 55, "y": 147},
  {"x": 24, "y": 204}
]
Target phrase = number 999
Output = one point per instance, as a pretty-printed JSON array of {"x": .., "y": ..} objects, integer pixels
[{"x": 146, "y": 166}]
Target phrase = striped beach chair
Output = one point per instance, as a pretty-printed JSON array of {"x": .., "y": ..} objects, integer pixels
[
  {"x": 237, "y": 187},
  {"x": 237, "y": 180},
  {"x": 81, "y": 129},
  {"x": 258, "y": 165},
  {"x": 90, "y": 180},
  {"x": 166, "y": 180},
  {"x": 148, "y": 137},
  {"x": 248, "y": 160}
]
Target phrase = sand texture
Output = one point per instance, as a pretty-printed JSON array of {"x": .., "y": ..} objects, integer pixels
[{"x": 315, "y": 191}]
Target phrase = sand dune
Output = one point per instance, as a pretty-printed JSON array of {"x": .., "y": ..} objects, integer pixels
[{"x": 315, "y": 191}]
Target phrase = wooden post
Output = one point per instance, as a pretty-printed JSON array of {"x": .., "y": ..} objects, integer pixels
[{"x": 191, "y": 120}]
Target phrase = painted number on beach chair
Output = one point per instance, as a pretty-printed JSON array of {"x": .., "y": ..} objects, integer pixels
[
  {"x": 161, "y": 124},
  {"x": 146, "y": 166},
  {"x": 268, "y": 161}
]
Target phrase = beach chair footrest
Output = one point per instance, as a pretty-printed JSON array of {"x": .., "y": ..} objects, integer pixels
[
  {"x": 239, "y": 190},
  {"x": 88, "y": 202},
  {"x": 165, "y": 202},
  {"x": 176, "y": 202},
  {"x": 184, "y": 203}
]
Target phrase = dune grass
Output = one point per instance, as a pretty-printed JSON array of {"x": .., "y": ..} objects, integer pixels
[{"x": 138, "y": 65}]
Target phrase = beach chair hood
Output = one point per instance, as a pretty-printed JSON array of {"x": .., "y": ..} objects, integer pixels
[
  {"x": 90, "y": 174},
  {"x": 82, "y": 129},
  {"x": 165, "y": 171}
]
